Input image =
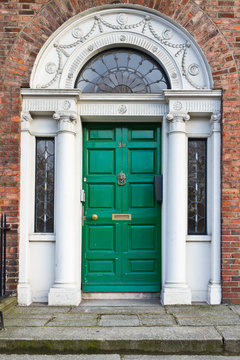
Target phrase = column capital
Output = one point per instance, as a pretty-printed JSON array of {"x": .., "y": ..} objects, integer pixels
[
  {"x": 177, "y": 121},
  {"x": 215, "y": 122},
  {"x": 216, "y": 117},
  {"x": 26, "y": 120},
  {"x": 177, "y": 117},
  {"x": 66, "y": 121}
]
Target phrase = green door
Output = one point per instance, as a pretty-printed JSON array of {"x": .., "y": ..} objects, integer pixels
[{"x": 121, "y": 248}]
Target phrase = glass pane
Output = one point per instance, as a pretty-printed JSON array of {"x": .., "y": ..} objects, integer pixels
[
  {"x": 122, "y": 71},
  {"x": 197, "y": 186},
  {"x": 44, "y": 185}
]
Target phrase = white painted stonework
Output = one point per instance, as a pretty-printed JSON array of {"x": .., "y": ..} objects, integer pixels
[
  {"x": 50, "y": 264},
  {"x": 85, "y": 35}
]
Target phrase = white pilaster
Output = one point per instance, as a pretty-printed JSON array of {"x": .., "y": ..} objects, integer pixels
[
  {"x": 24, "y": 288},
  {"x": 65, "y": 290},
  {"x": 214, "y": 287},
  {"x": 175, "y": 290}
]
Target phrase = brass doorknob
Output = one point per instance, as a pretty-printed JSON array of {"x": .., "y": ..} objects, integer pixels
[{"x": 94, "y": 217}]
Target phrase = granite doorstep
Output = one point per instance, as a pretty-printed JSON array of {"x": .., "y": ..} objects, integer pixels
[
  {"x": 121, "y": 302},
  {"x": 138, "y": 333}
]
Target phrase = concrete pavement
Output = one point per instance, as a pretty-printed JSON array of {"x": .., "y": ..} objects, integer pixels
[{"x": 123, "y": 328}]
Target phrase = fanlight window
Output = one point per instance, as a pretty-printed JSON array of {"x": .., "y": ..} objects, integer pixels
[{"x": 122, "y": 71}]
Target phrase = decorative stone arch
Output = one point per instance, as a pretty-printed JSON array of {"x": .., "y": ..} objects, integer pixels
[
  {"x": 80, "y": 38},
  {"x": 52, "y": 107}
]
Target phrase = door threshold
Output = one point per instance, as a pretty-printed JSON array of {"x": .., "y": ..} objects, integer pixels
[{"x": 120, "y": 295}]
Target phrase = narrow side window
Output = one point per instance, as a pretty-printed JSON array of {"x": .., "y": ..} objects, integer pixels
[
  {"x": 44, "y": 185},
  {"x": 197, "y": 186}
]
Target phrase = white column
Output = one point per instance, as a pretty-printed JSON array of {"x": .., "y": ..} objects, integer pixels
[
  {"x": 65, "y": 290},
  {"x": 24, "y": 288},
  {"x": 175, "y": 290},
  {"x": 214, "y": 287}
]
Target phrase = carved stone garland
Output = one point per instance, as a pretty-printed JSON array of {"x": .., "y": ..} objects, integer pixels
[{"x": 100, "y": 24}]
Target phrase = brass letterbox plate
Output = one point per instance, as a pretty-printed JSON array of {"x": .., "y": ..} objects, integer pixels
[{"x": 121, "y": 216}]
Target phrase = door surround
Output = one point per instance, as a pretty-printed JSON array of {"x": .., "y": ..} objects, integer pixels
[{"x": 53, "y": 107}]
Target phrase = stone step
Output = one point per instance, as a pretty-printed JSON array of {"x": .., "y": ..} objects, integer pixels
[
  {"x": 150, "y": 330},
  {"x": 149, "y": 340}
]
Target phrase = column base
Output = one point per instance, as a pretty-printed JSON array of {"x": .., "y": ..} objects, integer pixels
[
  {"x": 214, "y": 294},
  {"x": 24, "y": 294},
  {"x": 64, "y": 296},
  {"x": 176, "y": 295}
]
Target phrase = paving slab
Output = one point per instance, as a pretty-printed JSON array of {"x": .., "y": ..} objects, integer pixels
[
  {"x": 204, "y": 315},
  {"x": 25, "y": 322},
  {"x": 39, "y": 310},
  {"x": 119, "y": 320},
  {"x": 28, "y": 315},
  {"x": 231, "y": 336},
  {"x": 207, "y": 320},
  {"x": 157, "y": 320},
  {"x": 75, "y": 320},
  {"x": 118, "y": 310},
  {"x": 235, "y": 309},
  {"x": 199, "y": 310},
  {"x": 159, "y": 340}
]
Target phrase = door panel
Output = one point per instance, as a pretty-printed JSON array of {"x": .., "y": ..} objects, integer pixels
[
  {"x": 101, "y": 161},
  {"x": 121, "y": 255},
  {"x": 101, "y": 195},
  {"x": 101, "y": 238},
  {"x": 141, "y": 195},
  {"x": 141, "y": 237},
  {"x": 142, "y": 161}
]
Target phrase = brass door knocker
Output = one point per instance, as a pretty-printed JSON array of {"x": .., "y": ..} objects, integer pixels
[{"x": 121, "y": 178}]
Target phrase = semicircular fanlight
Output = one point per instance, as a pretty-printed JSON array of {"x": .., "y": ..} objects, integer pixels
[{"x": 122, "y": 71}]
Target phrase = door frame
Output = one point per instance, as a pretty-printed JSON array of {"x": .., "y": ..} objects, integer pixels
[
  {"x": 136, "y": 293},
  {"x": 126, "y": 108}
]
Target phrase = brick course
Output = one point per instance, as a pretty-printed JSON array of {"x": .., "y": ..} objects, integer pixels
[{"x": 25, "y": 25}]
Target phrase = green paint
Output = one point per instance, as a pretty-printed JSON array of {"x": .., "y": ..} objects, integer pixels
[{"x": 121, "y": 255}]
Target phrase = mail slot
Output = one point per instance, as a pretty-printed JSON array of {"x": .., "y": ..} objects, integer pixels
[{"x": 121, "y": 216}]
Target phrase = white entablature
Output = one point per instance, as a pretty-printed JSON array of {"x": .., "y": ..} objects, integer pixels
[{"x": 83, "y": 36}]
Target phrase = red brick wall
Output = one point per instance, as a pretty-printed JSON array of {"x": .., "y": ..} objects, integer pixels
[{"x": 215, "y": 24}]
